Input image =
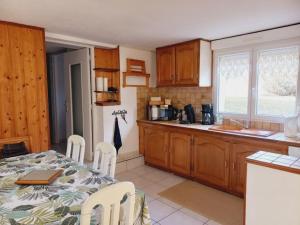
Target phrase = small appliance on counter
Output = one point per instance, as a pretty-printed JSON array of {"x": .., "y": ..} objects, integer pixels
[
  {"x": 190, "y": 114},
  {"x": 161, "y": 110},
  {"x": 207, "y": 114}
]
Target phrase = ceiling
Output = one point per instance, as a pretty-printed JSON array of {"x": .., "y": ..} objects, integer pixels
[{"x": 149, "y": 24}]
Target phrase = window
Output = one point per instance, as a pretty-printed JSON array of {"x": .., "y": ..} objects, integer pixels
[
  {"x": 233, "y": 74},
  {"x": 260, "y": 82},
  {"x": 277, "y": 76}
]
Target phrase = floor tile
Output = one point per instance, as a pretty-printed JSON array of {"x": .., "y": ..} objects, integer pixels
[
  {"x": 150, "y": 198},
  {"x": 141, "y": 182},
  {"x": 159, "y": 210},
  {"x": 211, "y": 222},
  {"x": 154, "y": 189},
  {"x": 170, "y": 203},
  {"x": 126, "y": 176},
  {"x": 179, "y": 218},
  {"x": 171, "y": 181},
  {"x": 194, "y": 215}
]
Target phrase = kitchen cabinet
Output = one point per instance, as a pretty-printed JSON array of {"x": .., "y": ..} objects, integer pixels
[
  {"x": 156, "y": 147},
  {"x": 180, "y": 153},
  {"x": 165, "y": 60},
  {"x": 216, "y": 159},
  {"x": 184, "y": 64},
  {"x": 239, "y": 152},
  {"x": 187, "y": 63},
  {"x": 211, "y": 160}
]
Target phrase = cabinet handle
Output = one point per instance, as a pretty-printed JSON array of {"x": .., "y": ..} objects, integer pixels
[
  {"x": 233, "y": 166},
  {"x": 226, "y": 164}
]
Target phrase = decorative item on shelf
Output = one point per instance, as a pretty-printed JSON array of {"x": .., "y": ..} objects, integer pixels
[
  {"x": 99, "y": 84},
  {"x": 136, "y": 75},
  {"x": 156, "y": 101}
]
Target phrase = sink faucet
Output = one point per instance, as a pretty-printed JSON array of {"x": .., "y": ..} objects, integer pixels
[{"x": 246, "y": 125}]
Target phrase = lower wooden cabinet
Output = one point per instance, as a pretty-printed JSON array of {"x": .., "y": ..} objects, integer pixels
[
  {"x": 211, "y": 160},
  {"x": 156, "y": 147},
  {"x": 239, "y": 152},
  {"x": 180, "y": 153},
  {"x": 215, "y": 159}
]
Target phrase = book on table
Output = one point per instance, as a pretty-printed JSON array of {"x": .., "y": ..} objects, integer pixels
[{"x": 39, "y": 177}]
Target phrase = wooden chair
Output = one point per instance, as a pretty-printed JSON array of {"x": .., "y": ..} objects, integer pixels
[
  {"x": 109, "y": 198},
  {"x": 108, "y": 156},
  {"x": 76, "y": 148}
]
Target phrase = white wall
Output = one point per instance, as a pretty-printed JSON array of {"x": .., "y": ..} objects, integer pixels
[
  {"x": 272, "y": 196},
  {"x": 258, "y": 38},
  {"x": 104, "y": 121}
]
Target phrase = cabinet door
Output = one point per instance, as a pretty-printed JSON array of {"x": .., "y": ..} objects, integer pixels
[
  {"x": 211, "y": 160},
  {"x": 180, "y": 153},
  {"x": 155, "y": 147},
  {"x": 240, "y": 151},
  {"x": 165, "y": 60},
  {"x": 187, "y": 63}
]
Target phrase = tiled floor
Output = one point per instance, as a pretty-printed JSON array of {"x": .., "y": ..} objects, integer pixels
[{"x": 162, "y": 211}]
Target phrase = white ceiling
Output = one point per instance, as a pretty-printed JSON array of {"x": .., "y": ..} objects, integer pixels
[{"x": 148, "y": 24}]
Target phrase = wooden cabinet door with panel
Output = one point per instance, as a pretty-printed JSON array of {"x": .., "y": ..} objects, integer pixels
[
  {"x": 165, "y": 59},
  {"x": 180, "y": 153},
  {"x": 156, "y": 147},
  {"x": 239, "y": 152},
  {"x": 211, "y": 160},
  {"x": 187, "y": 63}
]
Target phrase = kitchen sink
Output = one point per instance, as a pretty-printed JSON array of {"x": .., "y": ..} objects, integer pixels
[{"x": 242, "y": 130}]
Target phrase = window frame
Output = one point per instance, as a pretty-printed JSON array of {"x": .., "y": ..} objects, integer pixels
[
  {"x": 253, "y": 79},
  {"x": 216, "y": 89}
]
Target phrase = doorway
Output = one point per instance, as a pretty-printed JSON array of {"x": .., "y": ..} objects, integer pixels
[{"x": 69, "y": 94}]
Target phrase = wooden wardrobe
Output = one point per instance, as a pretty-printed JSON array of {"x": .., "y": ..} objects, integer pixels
[{"x": 23, "y": 86}]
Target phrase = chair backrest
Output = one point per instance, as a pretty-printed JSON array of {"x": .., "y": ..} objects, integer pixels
[
  {"x": 76, "y": 148},
  {"x": 108, "y": 156},
  {"x": 109, "y": 198}
]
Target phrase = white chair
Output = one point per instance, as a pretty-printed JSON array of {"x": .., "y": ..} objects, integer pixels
[
  {"x": 108, "y": 156},
  {"x": 109, "y": 198},
  {"x": 76, "y": 148}
]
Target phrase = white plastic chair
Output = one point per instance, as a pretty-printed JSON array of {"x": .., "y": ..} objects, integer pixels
[
  {"x": 108, "y": 156},
  {"x": 76, "y": 148},
  {"x": 109, "y": 198}
]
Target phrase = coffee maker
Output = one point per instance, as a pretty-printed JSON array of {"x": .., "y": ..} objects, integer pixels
[
  {"x": 190, "y": 113},
  {"x": 207, "y": 114}
]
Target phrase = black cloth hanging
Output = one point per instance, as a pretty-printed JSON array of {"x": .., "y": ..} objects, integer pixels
[{"x": 117, "y": 136}]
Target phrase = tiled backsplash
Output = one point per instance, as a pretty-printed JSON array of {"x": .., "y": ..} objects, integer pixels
[
  {"x": 196, "y": 96},
  {"x": 180, "y": 97}
]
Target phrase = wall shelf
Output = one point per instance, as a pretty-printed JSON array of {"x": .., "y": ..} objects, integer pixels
[
  {"x": 108, "y": 103},
  {"x": 102, "y": 69},
  {"x": 136, "y": 75},
  {"x": 108, "y": 92},
  {"x": 107, "y": 66}
]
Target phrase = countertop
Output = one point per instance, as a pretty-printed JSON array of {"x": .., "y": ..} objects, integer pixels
[
  {"x": 276, "y": 137},
  {"x": 276, "y": 161}
]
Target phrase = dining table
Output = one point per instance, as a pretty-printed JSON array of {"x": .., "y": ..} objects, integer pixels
[{"x": 59, "y": 202}]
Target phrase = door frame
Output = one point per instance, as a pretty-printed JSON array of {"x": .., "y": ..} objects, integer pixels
[{"x": 80, "y": 42}]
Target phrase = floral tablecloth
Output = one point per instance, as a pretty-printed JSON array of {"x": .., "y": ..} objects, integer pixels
[{"x": 58, "y": 203}]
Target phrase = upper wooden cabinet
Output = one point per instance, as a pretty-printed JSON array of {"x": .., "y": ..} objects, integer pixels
[
  {"x": 211, "y": 160},
  {"x": 184, "y": 64},
  {"x": 187, "y": 63},
  {"x": 180, "y": 153},
  {"x": 165, "y": 60}
]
